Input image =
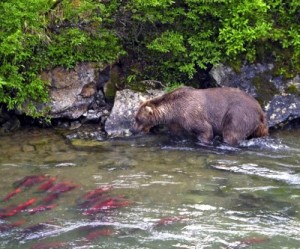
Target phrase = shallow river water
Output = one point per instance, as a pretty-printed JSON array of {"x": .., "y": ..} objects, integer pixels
[{"x": 155, "y": 192}]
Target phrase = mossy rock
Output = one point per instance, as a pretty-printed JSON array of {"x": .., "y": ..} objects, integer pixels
[
  {"x": 115, "y": 82},
  {"x": 292, "y": 89},
  {"x": 265, "y": 89}
]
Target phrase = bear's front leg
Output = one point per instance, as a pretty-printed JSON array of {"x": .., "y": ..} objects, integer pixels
[
  {"x": 204, "y": 133},
  {"x": 205, "y": 138}
]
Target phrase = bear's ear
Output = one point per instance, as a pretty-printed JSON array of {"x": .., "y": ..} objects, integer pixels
[
  {"x": 149, "y": 109},
  {"x": 142, "y": 99}
]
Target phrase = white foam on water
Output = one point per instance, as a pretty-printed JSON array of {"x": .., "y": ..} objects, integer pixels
[{"x": 265, "y": 143}]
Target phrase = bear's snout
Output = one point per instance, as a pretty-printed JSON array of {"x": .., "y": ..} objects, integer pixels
[
  {"x": 133, "y": 130},
  {"x": 136, "y": 128}
]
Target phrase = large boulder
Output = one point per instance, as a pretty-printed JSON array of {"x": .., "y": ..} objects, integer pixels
[
  {"x": 123, "y": 112},
  {"x": 252, "y": 78},
  {"x": 72, "y": 91},
  {"x": 279, "y": 97},
  {"x": 282, "y": 109}
]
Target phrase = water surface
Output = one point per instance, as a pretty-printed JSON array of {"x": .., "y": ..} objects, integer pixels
[{"x": 176, "y": 194}]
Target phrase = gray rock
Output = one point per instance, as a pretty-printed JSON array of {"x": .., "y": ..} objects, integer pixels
[
  {"x": 259, "y": 81},
  {"x": 98, "y": 110},
  {"x": 282, "y": 109},
  {"x": 72, "y": 91},
  {"x": 244, "y": 79},
  {"x": 126, "y": 104},
  {"x": 86, "y": 135},
  {"x": 96, "y": 115}
]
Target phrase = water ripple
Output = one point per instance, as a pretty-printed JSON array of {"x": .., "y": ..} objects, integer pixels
[{"x": 287, "y": 176}]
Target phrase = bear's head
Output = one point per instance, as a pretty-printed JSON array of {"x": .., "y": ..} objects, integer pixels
[{"x": 144, "y": 118}]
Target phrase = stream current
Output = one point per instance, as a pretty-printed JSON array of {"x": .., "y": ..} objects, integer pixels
[{"x": 157, "y": 192}]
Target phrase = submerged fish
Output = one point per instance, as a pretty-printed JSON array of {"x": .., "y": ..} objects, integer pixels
[
  {"x": 96, "y": 192},
  {"x": 47, "y": 185},
  {"x": 107, "y": 205},
  {"x": 29, "y": 181},
  {"x": 25, "y": 204},
  {"x": 62, "y": 187},
  {"x": 93, "y": 196},
  {"x": 56, "y": 190},
  {"x": 15, "y": 210},
  {"x": 11, "y": 194},
  {"x": 50, "y": 198}
]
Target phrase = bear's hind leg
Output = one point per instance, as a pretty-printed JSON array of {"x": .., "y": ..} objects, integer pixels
[
  {"x": 232, "y": 138},
  {"x": 234, "y": 128}
]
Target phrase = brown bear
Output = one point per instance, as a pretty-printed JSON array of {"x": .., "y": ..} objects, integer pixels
[{"x": 227, "y": 112}]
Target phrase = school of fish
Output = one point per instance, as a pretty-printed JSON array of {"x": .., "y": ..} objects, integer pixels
[{"x": 99, "y": 201}]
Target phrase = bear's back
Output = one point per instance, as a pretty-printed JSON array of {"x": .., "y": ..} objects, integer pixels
[
  {"x": 210, "y": 99},
  {"x": 227, "y": 96}
]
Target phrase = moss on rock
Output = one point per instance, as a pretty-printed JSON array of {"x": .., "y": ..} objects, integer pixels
[{"x": 265, "y": 89}]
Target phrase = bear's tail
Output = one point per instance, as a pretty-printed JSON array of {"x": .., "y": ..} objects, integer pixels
[{"x": 262, "y": 129}]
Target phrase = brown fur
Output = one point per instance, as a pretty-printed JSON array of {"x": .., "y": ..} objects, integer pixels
[{"x": 227, "y": 112}]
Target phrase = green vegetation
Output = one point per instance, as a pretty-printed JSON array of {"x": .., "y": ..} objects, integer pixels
[
  {"x": 293, "y": 89},
  {"x": 41, "y": 34},
  {"x": 167, "y": 40},
  {"x": 185, "y": 36}
]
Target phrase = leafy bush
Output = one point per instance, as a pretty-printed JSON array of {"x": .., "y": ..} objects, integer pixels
[
  {"x": 41, "y": 34},
  {"x": 194, "y": 34},
  {"x": 167, "y": 40}
]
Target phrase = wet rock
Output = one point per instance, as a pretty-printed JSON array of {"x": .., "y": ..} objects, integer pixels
[
  {"x": 72, "y": 91},
  {"x": 87, "y": 132},
  {"x": 92, "y": 115},
  {"x": 126, "y": 103},
  {"x": 97, "y": 115},
  {"x": 75, "y": 125},
  {"x": 282, "y": 109}
]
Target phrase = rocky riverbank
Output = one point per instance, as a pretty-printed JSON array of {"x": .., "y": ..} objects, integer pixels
[{"x": 95, "y": 94}]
